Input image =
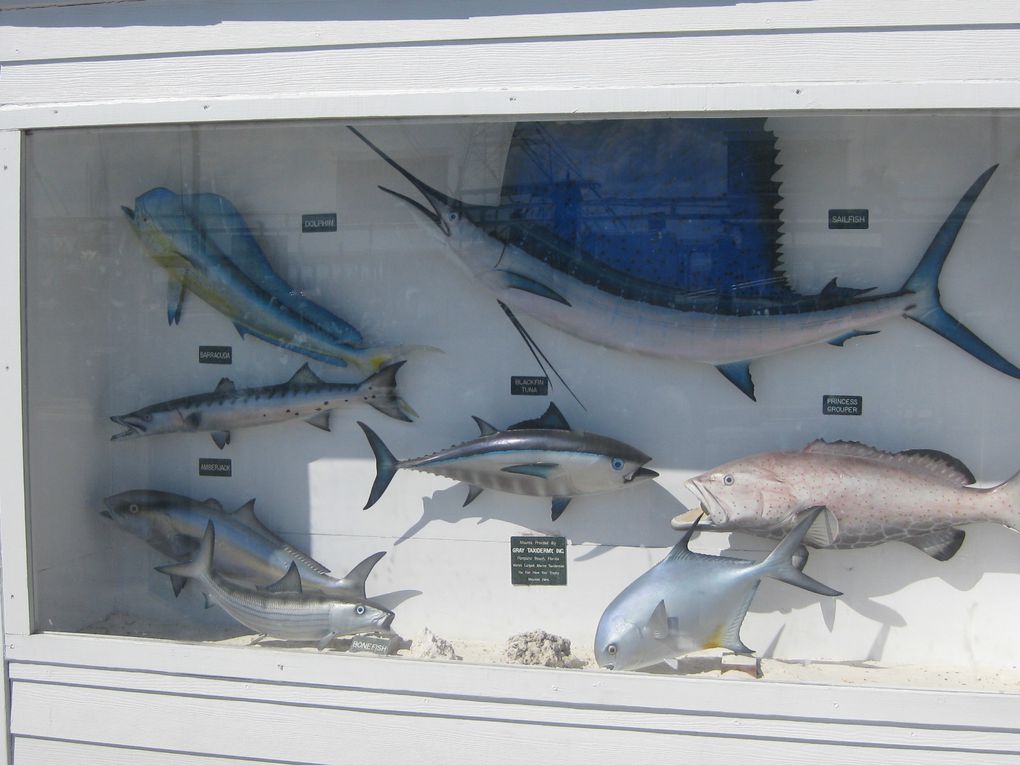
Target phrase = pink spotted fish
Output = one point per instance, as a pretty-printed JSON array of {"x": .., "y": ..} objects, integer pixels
[{"x": 919, "y": 496}]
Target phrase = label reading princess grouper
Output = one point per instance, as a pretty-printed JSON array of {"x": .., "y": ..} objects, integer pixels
[
  {"x": 538, "y": 560},
  {"x": 848, "y": 218},
  {"x": 215, "y": 354},
  {"x": 316, "y": 223},
  {"x": 529, "y": 386},
  {"x": 214, "y": 467},
  {"x": 853, "y": 405}
]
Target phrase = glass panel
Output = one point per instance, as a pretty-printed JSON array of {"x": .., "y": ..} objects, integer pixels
[{"x": 201, "y": 285}]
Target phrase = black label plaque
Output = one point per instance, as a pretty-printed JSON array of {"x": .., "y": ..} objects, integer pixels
[
  {"x": 215, "y": 354},
  {"x": 373, "y": 644},
  {"x": 214, "y": 467},
  {"x": 853, "y": 405},
  {"x": 529, "y": 386},
  {"x": 538, "y": 560},
  {"x": 318, "y": 223},
  {"x": 848, "y": 218}
]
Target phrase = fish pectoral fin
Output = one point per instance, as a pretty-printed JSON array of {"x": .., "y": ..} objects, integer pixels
[
  {"x": 320, "y": 420},
  {"x": 305, "y": 376},
  {"x": 324, "y": 642},
  {"x": 289, "y": 582},
  {"x": 941, "y": 545},
  {"x": 241, "y": 330},
  {"x": 175, "y": 292},
  {"x": 823, "y": 531},
  {"x": 208, "y": 600},
  {"x": 739, "y": 373},
  {"x": 559, "y": 504},
  {"x": 220, "y": 437},
  {"x": 657, "y": 626},
  {"x": 225, "y": 386},
  {"x": 838, "y": 341},
  {"x": 533, "y": 469},
  {"x": 472, "y": 495},
  {"x": 193, "y": 421},
  {"x": 515, "y": 281},
  {"x": 484, "y": 428}
]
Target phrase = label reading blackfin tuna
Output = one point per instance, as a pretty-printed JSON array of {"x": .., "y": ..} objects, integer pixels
[
  {"x": 853, "y": 405},
  {"x": 529, "y": 386},
  {"x": 318, "y": 223},
  {"x": 215, "y": 354},
  {"x": 538, "y": 560},
  {"x": 848, "y": 218},
  {"x": 215, "y": 467}
]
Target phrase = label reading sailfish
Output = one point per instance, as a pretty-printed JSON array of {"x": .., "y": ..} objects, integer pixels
[
  {"x": 538, "y": 458},
  {"x": 303, "y": 397},
  {"x": 239, "y": 283},
  {"x": 548, "y": 266}
]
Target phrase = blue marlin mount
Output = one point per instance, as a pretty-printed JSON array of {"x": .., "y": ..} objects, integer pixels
[{"x": 661, "y": 237}]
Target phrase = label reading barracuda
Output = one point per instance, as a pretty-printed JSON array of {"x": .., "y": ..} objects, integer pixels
[
  {"x": 318, "y": 223},
  {"x": 842, "y": 405},
  {"x": 215, "y": 354},
  {"x": 538, "y": 560},
  {"x": 215, "y": 467},
  {"x": 848, "y": 218},
  {"x": 529, "y": 386},
  {"x": 373, "y": 644}
]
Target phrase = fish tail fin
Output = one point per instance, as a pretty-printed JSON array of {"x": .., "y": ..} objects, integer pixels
[
  {"x": 380, "y": 392},
  {"x": 386, "y": 465},
  {"x": 358, "y": 575},
  {"x": 377, "y": 358},
  {"x": 782, "y": 562},
  {"x": 924, "y": 283},
  {"x": 199, "y": 567}
]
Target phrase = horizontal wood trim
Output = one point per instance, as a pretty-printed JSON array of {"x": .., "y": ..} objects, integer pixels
[{"x": 141, "y": 28}]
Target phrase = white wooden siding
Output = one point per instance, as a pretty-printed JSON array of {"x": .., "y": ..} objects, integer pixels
[{"x": 78, "y": 699}]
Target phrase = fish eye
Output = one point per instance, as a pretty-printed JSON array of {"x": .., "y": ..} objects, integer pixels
[
  {"x": 133, "y": 509},
  {"x": 611, "y": 649},
  {"x": 359, "y": 610},
  {"x": 147, "y": 418},
  {"x": 453, "y": 216},
  {"x": 617, "y": 463},
  {"x": 728, "y": 479}
]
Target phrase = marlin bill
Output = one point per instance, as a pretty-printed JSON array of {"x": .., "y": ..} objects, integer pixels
[
  {"x": 305, "y": 396},
  {"x": 690, "y": 602},
  {"x": 869, "y": 496},
  {"x": 248, "y": 552},
  {"x": 618, "y": 299},
  {"x": 283, "y": 610},
  {"x": 541, "y": 457}
]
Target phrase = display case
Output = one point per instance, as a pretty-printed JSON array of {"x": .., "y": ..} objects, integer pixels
[{"x": 623, "y": 430}]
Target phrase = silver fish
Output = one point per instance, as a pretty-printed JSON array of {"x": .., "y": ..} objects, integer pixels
[
  {"x": 538, "y": 458},
  {"x": 304, "y": 396},
  {"x": 529, "y": 269},
  {"x": 917, "y": 496},
  {"x": 247, "y": 552},
  {"x": 689, "y": 602},
  {"x": 282, "y": 610}
]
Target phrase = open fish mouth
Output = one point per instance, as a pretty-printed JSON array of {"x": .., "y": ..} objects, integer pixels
[
  {"x": 134, "y": 428},
  {"x": 641, "y": 473}
]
